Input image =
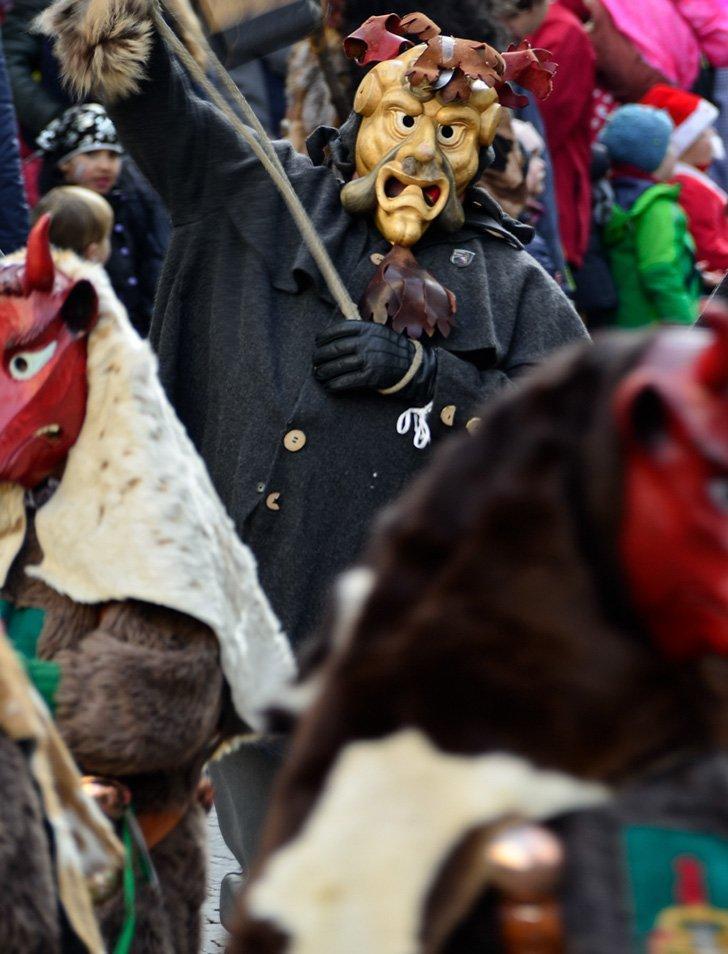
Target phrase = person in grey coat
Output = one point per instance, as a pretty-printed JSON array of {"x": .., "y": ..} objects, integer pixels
[{"x": 302, "y": 452}]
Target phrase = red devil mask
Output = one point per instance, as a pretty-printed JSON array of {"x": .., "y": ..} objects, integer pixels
[
  {"x": 44, "y": 322},
  {"x": 673, "y": 416}
]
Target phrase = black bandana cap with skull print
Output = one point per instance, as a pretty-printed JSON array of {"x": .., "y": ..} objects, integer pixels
[{"x": 79, "y": 129}]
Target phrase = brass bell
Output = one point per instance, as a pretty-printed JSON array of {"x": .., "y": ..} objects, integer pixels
[{"x": 525, "y": 863}]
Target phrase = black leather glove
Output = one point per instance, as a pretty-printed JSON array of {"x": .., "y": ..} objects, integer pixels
[{"x": 353, "y": 355}]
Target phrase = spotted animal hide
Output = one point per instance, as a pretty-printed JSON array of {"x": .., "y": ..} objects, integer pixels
[{"x": 136, "y": 516}]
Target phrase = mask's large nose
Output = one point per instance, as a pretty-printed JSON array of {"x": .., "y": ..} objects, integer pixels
[{"x": 422, "y": 144}]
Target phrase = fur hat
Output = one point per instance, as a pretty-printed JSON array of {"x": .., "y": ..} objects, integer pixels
[{"x": 638, "y": 135}]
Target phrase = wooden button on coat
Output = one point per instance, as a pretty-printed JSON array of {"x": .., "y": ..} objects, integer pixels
[
  {"x": 473, "y": 424},
  {"x": 271, "y": 501},
  {"x": 294, "y": 441},
  {"x": 447, "y": 414}
]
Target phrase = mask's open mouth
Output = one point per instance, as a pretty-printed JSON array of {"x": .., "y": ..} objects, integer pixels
[
  {"x": 394, "y": 187},
  {"x": 396, "y": 190},
  {"x": 51, "y": 432},
  {"x": 432, "y": 194}
]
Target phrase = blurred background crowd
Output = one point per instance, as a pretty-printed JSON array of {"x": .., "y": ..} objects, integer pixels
[{"x": 622, "y": 172}]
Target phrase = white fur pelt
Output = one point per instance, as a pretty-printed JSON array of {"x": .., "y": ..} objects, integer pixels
[
  {"x": 356, "y": 878},
  {"x": 136, "y": 516}
]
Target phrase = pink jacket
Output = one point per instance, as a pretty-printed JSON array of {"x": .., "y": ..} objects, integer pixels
[{"x": 672, "y": 34}]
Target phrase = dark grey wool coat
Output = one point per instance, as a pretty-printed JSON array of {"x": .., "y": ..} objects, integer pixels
[{"x": 240, "y": 303}]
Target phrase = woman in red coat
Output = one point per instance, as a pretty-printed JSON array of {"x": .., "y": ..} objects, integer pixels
[{"x": 567, "y": 113}]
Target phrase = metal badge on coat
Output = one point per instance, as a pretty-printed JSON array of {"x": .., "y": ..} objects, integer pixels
[{"x": 462, "y": 257}]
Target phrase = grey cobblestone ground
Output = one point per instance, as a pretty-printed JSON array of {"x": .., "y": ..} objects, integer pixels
[{"x": 221, "y": 861}]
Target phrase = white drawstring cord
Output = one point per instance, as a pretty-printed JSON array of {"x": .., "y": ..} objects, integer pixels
[{"x": 416, "y": 416}]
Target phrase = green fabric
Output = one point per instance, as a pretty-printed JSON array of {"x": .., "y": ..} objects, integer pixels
[
  {"x": 126, "y": 938},
  {"x": 135, "y": 856},
  {"x": 24, "y": 626},
  {"x": 650, "y": 855},
  {"x": 652, "y": 257},
  {"x": 46, "y": 677}
]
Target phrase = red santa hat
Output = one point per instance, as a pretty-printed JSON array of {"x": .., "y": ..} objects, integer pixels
[{"x": 691, "y": 114}]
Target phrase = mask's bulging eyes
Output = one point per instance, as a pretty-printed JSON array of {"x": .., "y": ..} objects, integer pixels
[
  {"x": 718, "y": 493},
  {"x": 26, "y": 364},
  {"x": 450, "y": 135},
  {"x": 404, "y": 123}
]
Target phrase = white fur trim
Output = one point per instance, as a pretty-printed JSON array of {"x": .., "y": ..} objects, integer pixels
[
  {"x": 299, "y": 697},
  {"x": 353, "y": 589},
  {"x": 690, "y": 172},
  {"x": 684, "y": 135},
  {"x": 136, "y": 517},
  {"x": 356, "y": 879}
]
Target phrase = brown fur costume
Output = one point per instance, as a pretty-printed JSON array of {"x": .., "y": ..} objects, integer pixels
[
  {"x": 496, "y": 622},
  {"x": 139, "y": 699}
]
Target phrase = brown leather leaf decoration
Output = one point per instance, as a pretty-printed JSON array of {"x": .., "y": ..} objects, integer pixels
[
  {"x": 376, "y": 40},
  {"x": 532, "y": 69},
  {"x": 458, "y": 88},
  {"x": 450, "y": 65},
  {"x": 420, "y": 26},
  {"x": 408, "y": 297},
  {"x": 468, "y": 60}
]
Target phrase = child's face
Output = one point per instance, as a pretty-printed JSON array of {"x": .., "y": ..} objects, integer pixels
[
  {"x": 700, "y": 154},
  {"x": 99, "y": 252},
  {"x": 527, "y": 22},
  {"x": 98, "y": 170}
]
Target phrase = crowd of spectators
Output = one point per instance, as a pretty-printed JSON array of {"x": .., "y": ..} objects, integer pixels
[{"x": 621, "y": 172}]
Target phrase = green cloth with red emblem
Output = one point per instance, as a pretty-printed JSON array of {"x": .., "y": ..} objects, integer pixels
[
  {"x": 679, "y": 890},
  {"x": 24, "y": 626}
]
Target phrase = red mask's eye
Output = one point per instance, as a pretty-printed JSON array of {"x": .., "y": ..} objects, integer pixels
[{"x": 24, "y": 365}]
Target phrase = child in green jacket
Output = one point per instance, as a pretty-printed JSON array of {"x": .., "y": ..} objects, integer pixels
[{"x": 651, "y": 251}]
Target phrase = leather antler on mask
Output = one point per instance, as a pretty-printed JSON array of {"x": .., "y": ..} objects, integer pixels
[
  {"x": 45, "y": 318},
  {"x": 452, "y": 67}
]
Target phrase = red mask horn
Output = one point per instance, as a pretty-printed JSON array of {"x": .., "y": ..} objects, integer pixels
[
  {"x": 712, "y": 367},
  {"x": 39, "y": 269}
]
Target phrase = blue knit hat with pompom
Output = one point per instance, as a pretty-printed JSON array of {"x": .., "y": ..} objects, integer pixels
[{"x": 638, "y": 135}]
